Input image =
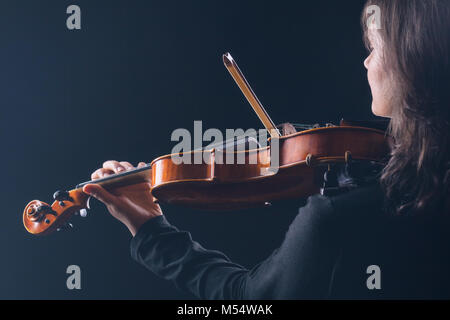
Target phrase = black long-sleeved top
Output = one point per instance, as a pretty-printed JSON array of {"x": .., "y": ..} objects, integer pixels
[{"x": 325, "y": 254}]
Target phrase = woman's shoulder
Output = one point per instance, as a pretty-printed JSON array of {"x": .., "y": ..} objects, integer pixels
[
  {"x": 358, "y": 189},
  {"x": 359, "y": 201},
  {"x": 367, "y": 196}
]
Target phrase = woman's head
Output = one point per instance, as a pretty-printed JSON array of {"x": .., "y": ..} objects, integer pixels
[{"x": 409, "y": 75}]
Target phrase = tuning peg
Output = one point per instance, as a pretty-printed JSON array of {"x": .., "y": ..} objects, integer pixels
[
  {"x": 83, "y": 213},
  {"x": 62, "y": 196},
  {"x": 67, "y": 226}
]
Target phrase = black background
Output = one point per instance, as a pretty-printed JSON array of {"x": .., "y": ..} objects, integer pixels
[{"x": 118, "y": 87}]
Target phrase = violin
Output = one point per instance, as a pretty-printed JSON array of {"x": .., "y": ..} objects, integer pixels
[{"x": 304, "y": 160}]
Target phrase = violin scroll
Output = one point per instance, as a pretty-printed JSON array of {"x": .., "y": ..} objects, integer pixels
[{"x": 40, "y": 218}]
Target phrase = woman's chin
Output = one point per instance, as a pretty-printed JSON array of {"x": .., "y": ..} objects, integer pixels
[
  {"x": 380, "y": 111},
  {"x": 375, "y": 109}
]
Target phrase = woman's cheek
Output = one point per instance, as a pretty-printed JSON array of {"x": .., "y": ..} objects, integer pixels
[
  {"x": 374, "y": 88},
  {"x": 380, "y": 89}
]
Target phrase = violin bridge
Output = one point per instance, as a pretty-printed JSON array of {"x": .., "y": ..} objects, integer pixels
[{"x": 212, "y": 164}]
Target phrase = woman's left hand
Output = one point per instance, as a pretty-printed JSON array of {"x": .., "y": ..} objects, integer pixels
[{"x": 132, "y": 205}]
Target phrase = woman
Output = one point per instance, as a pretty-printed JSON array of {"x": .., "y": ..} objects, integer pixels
[{"x": 347, "y": 245}]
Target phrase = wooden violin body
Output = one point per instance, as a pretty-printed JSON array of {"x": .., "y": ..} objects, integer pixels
[{"x": 300, "y": 171}]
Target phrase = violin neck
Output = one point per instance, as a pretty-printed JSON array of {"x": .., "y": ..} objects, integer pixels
[{"x": 126, "y": 178}]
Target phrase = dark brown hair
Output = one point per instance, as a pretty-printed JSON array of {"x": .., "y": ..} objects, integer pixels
[{"x": 416, "y": 50}]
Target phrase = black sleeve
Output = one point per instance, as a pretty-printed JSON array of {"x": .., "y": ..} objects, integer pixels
[{"x": 301, "y": 267}]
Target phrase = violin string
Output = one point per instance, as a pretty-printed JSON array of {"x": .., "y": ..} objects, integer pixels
[
  {"x": 220, "y": 144},
  {"x": 304, "y": 126}
]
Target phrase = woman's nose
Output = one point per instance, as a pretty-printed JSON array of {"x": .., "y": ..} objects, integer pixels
[{"x": 366, "y": 62}]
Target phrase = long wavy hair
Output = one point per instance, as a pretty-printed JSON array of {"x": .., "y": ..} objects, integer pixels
[{"x": 416, "y": 50}]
